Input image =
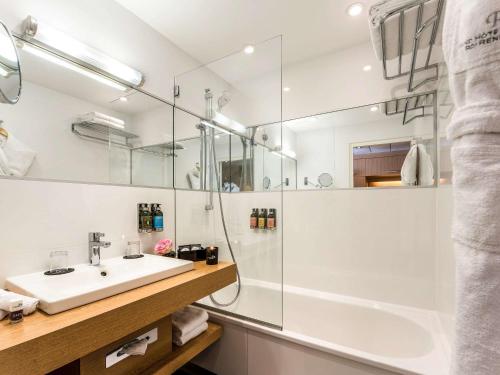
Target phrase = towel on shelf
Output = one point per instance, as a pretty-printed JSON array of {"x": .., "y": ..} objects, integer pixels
[
  {"x": 29, "y": 303},
  {"x": 180, "y": 340},
  {"x": 15, "y": 157},
  {"x": 380, "y": 10},
  {"x": 102, "y": 119},
  {"x": 425, "y": 167},
  {"x": 187, "y": 319}
]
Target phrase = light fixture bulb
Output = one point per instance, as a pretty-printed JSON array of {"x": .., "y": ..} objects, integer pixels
[
  {"x": 286, "y": 89},
  {"x": 374, "y": 108},
  {"x": 123, "y": 99},
  {"x": 367, "y": 68},
  {"x": 71, "y": 66},
  {"x": 249, "y": 49},
  {"x": 355, "y": 9}
]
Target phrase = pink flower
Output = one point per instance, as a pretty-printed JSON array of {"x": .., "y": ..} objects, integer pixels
[{"x": 163, "y": 246}]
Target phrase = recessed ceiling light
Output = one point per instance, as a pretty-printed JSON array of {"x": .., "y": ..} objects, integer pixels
[
  {"x": 355, "y": 9},
  {"x": 286, "y": 89},
  {"x": 374, "y": 108},
  {"x": 249, "y": 49},
  {"x": 123, "y": 99},
  {"x": 217, "y": 137},
  {"x": 367, "y": 68}
]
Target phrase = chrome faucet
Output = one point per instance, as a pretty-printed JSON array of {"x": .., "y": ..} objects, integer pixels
[{"x": 95, "y": 245}]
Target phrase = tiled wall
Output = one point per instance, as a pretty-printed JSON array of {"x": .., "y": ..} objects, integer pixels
[
  {"x": 38, "y": 217},
  {"x": 375, "y": 244},
  {"x": 445, "y": 260}
]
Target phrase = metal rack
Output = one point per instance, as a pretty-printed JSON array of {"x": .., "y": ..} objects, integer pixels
[
  {"x": 421, "y": 27},
  {"x": 102, "y": 133},
  {"x": 412, "y": 104},
  {"x": 165, "y": 150}
]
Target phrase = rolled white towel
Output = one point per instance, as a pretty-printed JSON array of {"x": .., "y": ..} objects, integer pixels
[
  {"x": 180, "y": 340},
  {"x": 102, "y": 119},
  {"x": 187, "y": 319},
  {"x": 29, "y": 303},
  {"x": 380, "y": 10}
]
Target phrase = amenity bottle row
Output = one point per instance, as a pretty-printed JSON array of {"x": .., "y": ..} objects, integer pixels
[{"x": 262, "y": 219}]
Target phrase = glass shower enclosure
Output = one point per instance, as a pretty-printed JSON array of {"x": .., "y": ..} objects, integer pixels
[{"x": 229, "y": 162}]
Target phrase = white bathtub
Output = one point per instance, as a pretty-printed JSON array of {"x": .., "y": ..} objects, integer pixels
[{"x": 397, "y": 338}]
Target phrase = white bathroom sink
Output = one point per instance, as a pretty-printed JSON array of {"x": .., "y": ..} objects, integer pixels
[{"x": 91, "y": 283}]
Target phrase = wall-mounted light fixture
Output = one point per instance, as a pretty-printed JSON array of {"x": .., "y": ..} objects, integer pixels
[{"x": 63, "y": 46}]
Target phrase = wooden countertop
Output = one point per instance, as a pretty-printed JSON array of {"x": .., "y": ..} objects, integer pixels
[{"x": 43, "y": 342}]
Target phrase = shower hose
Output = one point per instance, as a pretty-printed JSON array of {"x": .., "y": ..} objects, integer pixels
[{"x": 223, "y": 219}]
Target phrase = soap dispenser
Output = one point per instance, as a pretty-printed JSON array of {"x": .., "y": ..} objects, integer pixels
[
  {"x": 157, "y": 217},
  {"x": 145, "y": 218}
]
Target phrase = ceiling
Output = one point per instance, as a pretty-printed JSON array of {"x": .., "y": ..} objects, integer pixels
[{"x": 208, "y": 30}]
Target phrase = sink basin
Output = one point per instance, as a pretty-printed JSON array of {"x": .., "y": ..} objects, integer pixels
[{"x": 91, "y": 283}]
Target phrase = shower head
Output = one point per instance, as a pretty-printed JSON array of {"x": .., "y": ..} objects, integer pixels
[{"x": 223, "y": 100}]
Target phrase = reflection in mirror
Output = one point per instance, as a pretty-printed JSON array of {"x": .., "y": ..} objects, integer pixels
[
  {"x": 247, "y": 161},
  {"x": 389, "y": 144},
  {"x": 10, "y": 70},
  {"x": 73, "y": 124}
]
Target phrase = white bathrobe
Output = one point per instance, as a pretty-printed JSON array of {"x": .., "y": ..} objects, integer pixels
[{"x": 471, "y": 41}]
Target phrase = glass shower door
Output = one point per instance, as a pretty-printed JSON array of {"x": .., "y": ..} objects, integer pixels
[{"x": 222, "y": 108}]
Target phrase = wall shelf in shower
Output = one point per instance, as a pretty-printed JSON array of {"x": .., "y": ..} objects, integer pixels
[{"x": 102, "y": 133}]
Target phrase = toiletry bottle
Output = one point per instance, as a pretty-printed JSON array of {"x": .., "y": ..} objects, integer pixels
[
  {"x": 271, "y": 219},
  {"x": 254, "y": 218},
  {"x": 15, "y": 311},
  {"x": 157, "y": 218},
  {"x": 139, "y": 218},
  {"x": 262, "y": 218},
  {"x": 145, "y": 218}
]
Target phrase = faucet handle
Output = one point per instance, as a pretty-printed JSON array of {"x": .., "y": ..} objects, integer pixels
[{"x": 95, "y": 236}]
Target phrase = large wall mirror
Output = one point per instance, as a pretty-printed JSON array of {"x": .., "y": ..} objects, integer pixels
[
  {"x": 390, "y": 144},
  {"x": 74, "y": 124},
  {"x": 381, "y": 145}
]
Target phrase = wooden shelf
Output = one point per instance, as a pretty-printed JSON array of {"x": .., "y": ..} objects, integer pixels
[
  {"x": 183, "y": 354},
  {"x": 47, "y": 342}
]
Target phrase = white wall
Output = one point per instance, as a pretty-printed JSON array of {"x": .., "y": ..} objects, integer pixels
[
  {"x": 445, "y": 260},
  {"x": 38, "y": 217},
  {"x": 376, "y": 244},
  {"x": 337, "y": 81},
  {"x": 315, "y": 155}
]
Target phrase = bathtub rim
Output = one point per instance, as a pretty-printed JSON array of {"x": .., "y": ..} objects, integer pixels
[{"x": 330, "y": 347}]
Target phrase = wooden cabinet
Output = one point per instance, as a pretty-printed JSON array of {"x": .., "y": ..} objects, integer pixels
[{"x": 370, "y": 166}]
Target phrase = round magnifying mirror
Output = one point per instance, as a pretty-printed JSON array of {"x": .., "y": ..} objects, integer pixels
[
  {"x": 266, "y": 182},
  {"x": 10, "y": 69},
  {"x": 325, "y": 180}
]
